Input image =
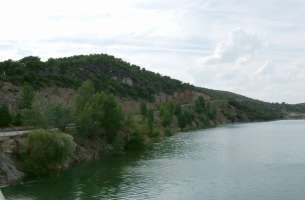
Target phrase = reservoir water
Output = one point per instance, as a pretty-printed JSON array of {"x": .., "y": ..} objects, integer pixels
[{"x": 255, "y": 161}]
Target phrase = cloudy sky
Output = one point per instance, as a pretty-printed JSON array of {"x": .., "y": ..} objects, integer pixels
[{"x": 250, "y": 47}]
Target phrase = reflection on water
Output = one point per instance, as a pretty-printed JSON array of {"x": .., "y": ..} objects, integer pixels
[{"x": 242, "y": 161}]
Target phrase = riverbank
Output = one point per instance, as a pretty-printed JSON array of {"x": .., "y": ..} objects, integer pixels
[
  {"x": 86, "y": 150},
  {"x": 233, "y": 162},
  {"x": 11, "y": 171}
]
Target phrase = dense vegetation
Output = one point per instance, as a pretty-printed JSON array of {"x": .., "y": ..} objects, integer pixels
[
  {"x": 252, "y": 109},
  {"x": 46, "y": 150},
  {"x": 108, "y": 73},
  {"x": 5, "y": 116},
  {"x": 96, "y": 116}
]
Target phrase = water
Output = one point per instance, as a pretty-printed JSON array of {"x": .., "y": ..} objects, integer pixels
[{"x": 236, "y": 162}]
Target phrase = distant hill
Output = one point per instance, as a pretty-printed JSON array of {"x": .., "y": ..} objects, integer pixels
[
  {"x": 109, "y": 74},
  {"x": 115, "y": 76},
  {"x": 256, "y": 109}
]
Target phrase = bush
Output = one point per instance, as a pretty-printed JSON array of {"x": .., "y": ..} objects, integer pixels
[
  {"x": 143, "y": 109},
  {"x": 84, "y": 95},
  {"x": 150, "y": 120},
  {"x": 212, "y": 111},
  {"x": 136, "y": 140},
  {"x": 59, "y": 116},
  {"x": 101, "y": 116},
  {"x": 27, "y": 96},
  {"x": 167, "y": 111},
  {"x": 36, "y": 115},
  {"x": 47, "y": 115},
  {"x": 168, "y": 132},
  {"x": 45, "y": 151},
  {"x": 200, "y": 105},
  {"x": 184, "y": 118},
  {"x": 5, "y": 116},
  {"x": 17, "y": 119}
]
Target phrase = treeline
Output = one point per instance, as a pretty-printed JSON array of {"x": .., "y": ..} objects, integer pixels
[
  {"x": 97, "y": 117},
  {"x": 109, "y": 74},
  {"x": 95, "y": 120},
  {"x": 113, "y": 75},
  {"x": 254, "y": 110}
]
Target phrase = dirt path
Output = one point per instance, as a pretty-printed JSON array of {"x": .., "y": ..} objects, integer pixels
[{"x": 13, "y": 133}]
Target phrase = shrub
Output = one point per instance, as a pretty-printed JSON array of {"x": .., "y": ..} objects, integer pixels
[
  {"x": 101, "y": 116},
  {"x": 136, "y": 140},
  {"x": 167, "y": 111},
  {"x": 47, "y": 115},
  {"x": 143, "y": 109},
  {"x": 212, "y": 111},
  {"x": 168, "y": 132},
  {"x": 59, "y": 116},
  {"x": 200, "y": 105},
  {"x": 36, "y": 115},
  {"x": 118, "y": 144},
  {"x": 17, "y": 119},
  {"x": 150, "y": 120},
  {"x": 45, "y": 151},
  {"x": 27, "y": 96},
  {"x": 5, "y": 116},
  {"x": 185, "y": 118},
  {"x": 84, "y": 95}
]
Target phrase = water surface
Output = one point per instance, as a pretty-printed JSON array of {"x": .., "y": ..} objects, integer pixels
[{"x": 233, "y": 162}]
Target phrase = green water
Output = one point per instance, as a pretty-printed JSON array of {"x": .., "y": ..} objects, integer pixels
[{"x": 236, "y": 162}]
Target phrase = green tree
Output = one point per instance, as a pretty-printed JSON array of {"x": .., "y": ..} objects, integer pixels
[
  {"x": 45, "y": 151},
  {"x": 167, "y": 111},
  {"x": 101, "y": 116},
  {"x": 212, "y": 111},
  {"x": 27, "y": 96},
  {"x": 200, "y": 105},
  {"x": 5, "y": 116},
  {"x": 184, "y": 118},
  {"x": 150, "y": 120},
  {"x": 17, "y": 119},
  {"x": 143, "y": 109},
  {"x": 136, "y": 136},
  {"x": 44, "y": 114},
  {"x": 84, "y": 94},
  {"x": 59, "y": 116}
]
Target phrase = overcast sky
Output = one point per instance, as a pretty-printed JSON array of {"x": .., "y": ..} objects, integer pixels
[{"x": 252, "y": 47}]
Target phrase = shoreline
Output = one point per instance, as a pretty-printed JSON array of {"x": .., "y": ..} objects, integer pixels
[{"x": 76, "y": 160}]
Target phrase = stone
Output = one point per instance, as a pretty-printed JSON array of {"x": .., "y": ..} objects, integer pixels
[{"x": 9, "y": 174}]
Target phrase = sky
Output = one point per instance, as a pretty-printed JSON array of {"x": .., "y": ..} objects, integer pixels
[{"x": 254, "y": 48}]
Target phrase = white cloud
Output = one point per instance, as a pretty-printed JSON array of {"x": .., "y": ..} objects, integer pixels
[
  {"x": 240, "y": 46},
  {"x": 193, "y": 40}
]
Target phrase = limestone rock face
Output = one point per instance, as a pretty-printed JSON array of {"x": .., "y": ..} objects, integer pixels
[
  {"x": 1, "y": 196},
  {"x": 127, "y": 81},
  {"x": 8, "y": 172}
]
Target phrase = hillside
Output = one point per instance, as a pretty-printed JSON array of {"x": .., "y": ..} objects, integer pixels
[
  {"x": 108, "y": 73},
  {"x": 99, "y": 104},
  {"x": 113, "y": 75}
]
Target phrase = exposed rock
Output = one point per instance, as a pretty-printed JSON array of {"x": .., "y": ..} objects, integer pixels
[
  {"x": 127, "y": 81},
  {"x": 8, "y": 172},
  {"x": 1, "y": 196},
  {"x": 9, "y": 94}
]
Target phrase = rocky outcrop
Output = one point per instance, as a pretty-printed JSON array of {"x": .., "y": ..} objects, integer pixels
[
  {"x": 9, "y": 174},
  {"x": 1, "y": 196},
  {"x": 9, "y": 145}
]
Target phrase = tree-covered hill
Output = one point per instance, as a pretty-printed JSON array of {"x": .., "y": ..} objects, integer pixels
[
  {"x": 108, "y": 73},
  {"x": 99, "y": 104},
  {"x": 115, "y": 76},
  {"x": 256, "y": 109}
]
